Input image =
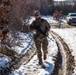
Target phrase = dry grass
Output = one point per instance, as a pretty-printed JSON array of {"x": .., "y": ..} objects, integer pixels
[{"x": 10, "y": 53}]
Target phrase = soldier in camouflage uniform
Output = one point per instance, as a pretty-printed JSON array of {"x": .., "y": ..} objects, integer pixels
[{"x": 40, "y": 28}]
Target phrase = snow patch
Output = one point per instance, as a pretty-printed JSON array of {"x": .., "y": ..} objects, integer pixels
[
  {"x": 49, "y": 19},
  {"x": 33, "y": 68},
  {"x": 4, "y": 60},
  {"x": 69, "y": 36}
]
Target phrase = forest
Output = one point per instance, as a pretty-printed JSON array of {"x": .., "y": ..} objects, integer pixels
[{"x": 14, "y": 12}]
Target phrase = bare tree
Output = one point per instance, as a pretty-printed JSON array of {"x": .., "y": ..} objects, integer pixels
[{"x": 3, "y": 11}]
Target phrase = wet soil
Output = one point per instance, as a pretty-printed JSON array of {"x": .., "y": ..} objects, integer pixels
[{"x": 69, "y": 65}]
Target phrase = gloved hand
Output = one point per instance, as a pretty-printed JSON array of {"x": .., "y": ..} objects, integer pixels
[
  {"x": 34, "y": 31},
  {"x": 44, "y": 33}
]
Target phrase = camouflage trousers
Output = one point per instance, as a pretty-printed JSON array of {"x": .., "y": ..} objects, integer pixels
[{"x": 41, "y": 44}]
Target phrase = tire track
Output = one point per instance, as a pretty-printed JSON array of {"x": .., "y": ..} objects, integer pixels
[
  {"x": 64, "y": 61},
  {"x": 67, "y": 58}
]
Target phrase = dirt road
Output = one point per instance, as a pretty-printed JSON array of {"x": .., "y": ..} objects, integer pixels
[{"x": 65, "y": 61}]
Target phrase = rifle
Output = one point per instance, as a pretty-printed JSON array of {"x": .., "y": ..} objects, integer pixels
[{"x": 39, "y": 29}]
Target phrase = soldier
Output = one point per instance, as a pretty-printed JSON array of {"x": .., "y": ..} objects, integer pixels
[{"x": 40, "y": 28}]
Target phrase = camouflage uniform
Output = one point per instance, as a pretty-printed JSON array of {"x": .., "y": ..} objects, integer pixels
[{"x": 40, "y": 38}]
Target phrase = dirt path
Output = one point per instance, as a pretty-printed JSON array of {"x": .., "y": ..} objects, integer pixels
[{"x": 65, "y": 56}]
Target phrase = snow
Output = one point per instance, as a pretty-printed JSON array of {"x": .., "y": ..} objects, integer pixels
[
  {"x": 32, "y": 67},
  {"x": 49, "y": 19},
  {"x": 4, "y": 60},
  {"x": 59, "y": 0},
  {"x": 69, "y": 36},
  {"x": 21, "y": 42},
  {"x": 25, "y": 40}
]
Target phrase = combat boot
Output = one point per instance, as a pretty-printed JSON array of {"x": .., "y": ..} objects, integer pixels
[{"x": 45, "y": 57}]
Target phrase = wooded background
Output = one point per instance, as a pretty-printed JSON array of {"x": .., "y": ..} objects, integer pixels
[{"x": 14, "y": 12}]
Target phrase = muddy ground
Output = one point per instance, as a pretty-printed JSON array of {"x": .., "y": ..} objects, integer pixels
[
  {"x": 59, "y": 68},
  {"x": 68, "y": 66}
]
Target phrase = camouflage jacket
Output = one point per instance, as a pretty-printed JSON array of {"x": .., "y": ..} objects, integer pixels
[{"x": 42, "y": 27}]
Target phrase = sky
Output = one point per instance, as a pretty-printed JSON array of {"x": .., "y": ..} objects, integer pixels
[
  {"x": 59, "y": 0},
  {"x": 63, "y": 0}
]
